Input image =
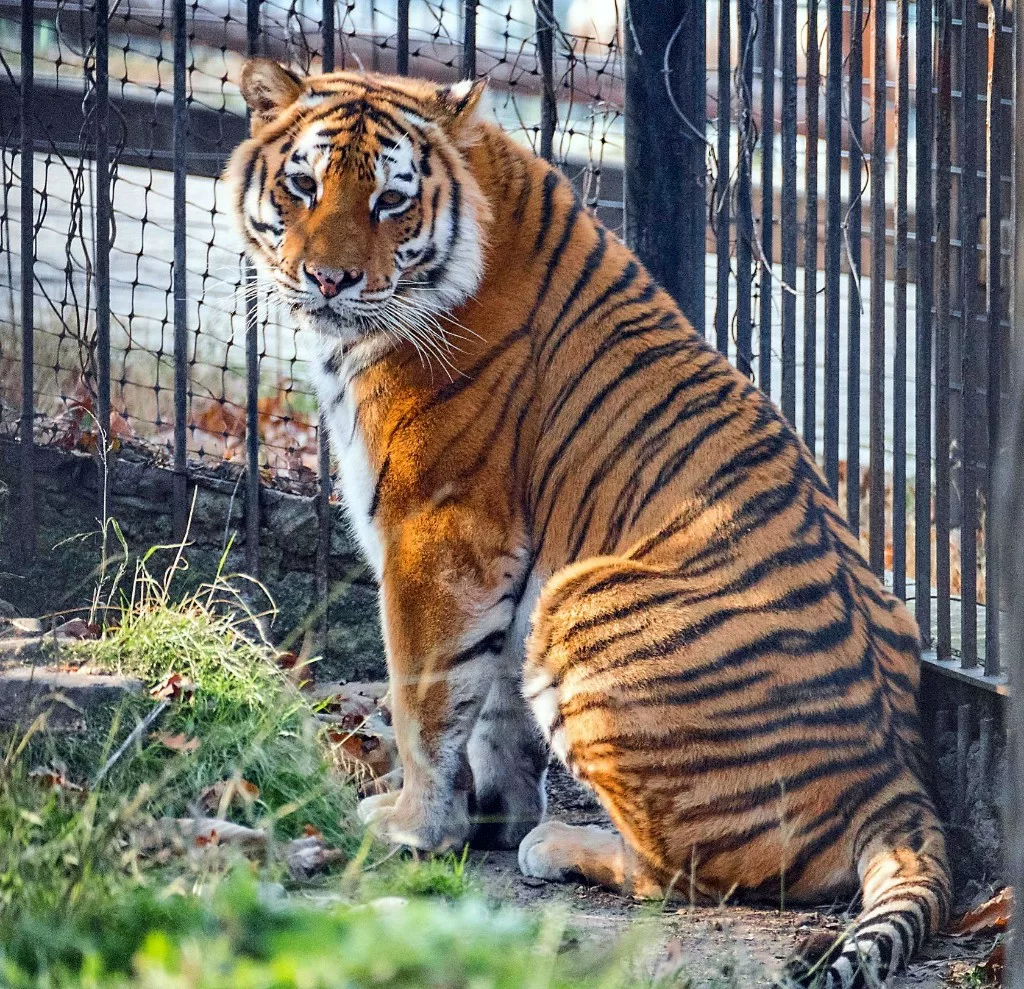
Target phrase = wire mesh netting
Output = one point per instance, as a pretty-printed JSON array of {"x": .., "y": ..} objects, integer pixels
[
  {"x": 838, "y": 353},
  {"x": 142, "y": 224}
]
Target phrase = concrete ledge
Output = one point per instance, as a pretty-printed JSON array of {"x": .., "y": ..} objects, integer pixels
[{"x": 67, "y": 698}]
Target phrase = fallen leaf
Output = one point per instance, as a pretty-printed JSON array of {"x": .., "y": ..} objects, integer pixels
[
  {"x": 176, "y": 743},
  {"x": 219, "y": 796},
  {"x": 304, "y": 856},
  {"x": 361, "y": 754},
  {"x": 55, "y": 779},
  {"x": 989, "y": 918},
  {"x": 173, "y": 687},
  {"x": 77, "y": 628},
  {"x": 995, "y": 964},
  {"x": 311, "y": 832}
]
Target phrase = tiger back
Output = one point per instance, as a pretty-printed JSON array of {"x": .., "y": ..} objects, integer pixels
[{"x": 592, "y": 535}]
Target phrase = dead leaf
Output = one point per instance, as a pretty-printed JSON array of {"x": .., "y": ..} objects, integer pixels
[
  {"x": 304, "y": 856},
  {"x": 176, "y": 743},
  {"x": 989, "y": 918},
  {"x": 311, "y": 832},
  {"x": 77, "y": 628},
  {"x": 54, "y": 778},
  {"x": 173, "y": 687},
  {"x": 995, "y": 964},
  {"x": 219, "y": 796}
]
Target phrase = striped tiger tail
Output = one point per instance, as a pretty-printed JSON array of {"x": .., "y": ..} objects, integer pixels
[{"x": 905, "y": 893}]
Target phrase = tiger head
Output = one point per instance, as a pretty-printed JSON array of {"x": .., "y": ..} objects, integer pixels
[{"x": 354, "y": 196}]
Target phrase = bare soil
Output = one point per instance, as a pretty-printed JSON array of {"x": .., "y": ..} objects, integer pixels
[{"x": 729, "y": 945}]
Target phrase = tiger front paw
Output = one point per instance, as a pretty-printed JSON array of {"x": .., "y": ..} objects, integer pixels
[{"x": 435, "y": 826}]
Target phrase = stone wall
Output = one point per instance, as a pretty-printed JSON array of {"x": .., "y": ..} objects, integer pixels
[{"x": 66, "y": 569}]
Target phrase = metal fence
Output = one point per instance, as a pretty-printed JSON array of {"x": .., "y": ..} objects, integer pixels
[{"x": 824, "y": 187}]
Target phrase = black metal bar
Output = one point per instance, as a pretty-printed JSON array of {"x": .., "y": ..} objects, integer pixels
[
  {"x": 876, "y": 388},
  {"x": 833, "y": 235},
  {"x": 664, "y": 206},
  {"x": 327, "y": 36},
  {"x": 1011, "y": 515},
  {"x": 180, "y": 127},
  {"x": 402, "y": 51},
  {"x": 321, "y": 565},
  {"x": 943, "y": 275},
  {"x": 899, "y": 372},
  {"x": 546, "y": 57},
  {"x": 925, "y": 289},
  {"x": 469, "y": 39},
  {"x": 968, "y": 220},
  {"x": 26, "y": 502},
  {"x": 854, "y": 231},
  {"x": 764, "y": 360},
  {"x": 101, "y": 109},
  {"x": 721, "y": 202},
  {"x": 811, "y": 86},
  {"x": 744, "y": 206},
  {"x": 252, "y": 365},
  {"x": 789, "y": 222},
  {"x": 997, "y": 129},
  {"x": 963, "y": 744}
]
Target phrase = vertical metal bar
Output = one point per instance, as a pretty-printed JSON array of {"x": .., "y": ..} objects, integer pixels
[
  {"x": 833, "y": 235},
  {"x": 321, "y": 564},
  {"x": 722, "y": 208},
  {"x": 327, "y": 36},
  {"x": 469, "y": 39},
  {"x": 744, "y": 206},
  {"x": 252, "y": 365},
  {"x": 996, "y": 155},
  {"x": 546, "y": 57},
  {"x": 876, "y": 413},
  {"x": 854, "y": 231},
  {"x": 968, "y": 218},
  {"x": 943, "y": 212},
  {"x": 925, "y": 288},
  {"x": 985, "y": 729},
  {"x": 811, "y": 86},
  {"x": 26, "y": 503},
  {"x": 180, "y": 127},
  {"x": 101, "y": 109},
  {"x": 963, "y": 745},
  {"x": 899, "y": 372},
  {"x": 1011, "y": 514},
  {"x": 789, "y": 210},
  {"x": 764, "y": 361},
  {"x": 665, "y": 219},
  {"x": 402, "y": 54}
]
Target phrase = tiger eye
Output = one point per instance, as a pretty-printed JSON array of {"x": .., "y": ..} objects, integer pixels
[
  {"x": 391, "y": 198},
  {"x": 305, "y": 184}
]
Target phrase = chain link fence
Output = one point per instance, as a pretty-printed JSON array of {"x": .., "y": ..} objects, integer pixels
[{"x": 852, "y": 200}]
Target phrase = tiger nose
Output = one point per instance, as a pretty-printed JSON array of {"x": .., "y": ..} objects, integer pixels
[{"x": 331, "y": 281}]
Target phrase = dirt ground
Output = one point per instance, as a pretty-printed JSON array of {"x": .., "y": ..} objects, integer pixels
[{"x": 718, "y": 946}]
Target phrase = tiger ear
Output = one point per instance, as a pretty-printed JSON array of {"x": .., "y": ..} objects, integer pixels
[
  {"x": 457, "y": 102},
  {"x": 268, "y": 89}
]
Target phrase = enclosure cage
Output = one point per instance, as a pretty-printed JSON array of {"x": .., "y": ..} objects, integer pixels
[{"x": 823, "y": 185}]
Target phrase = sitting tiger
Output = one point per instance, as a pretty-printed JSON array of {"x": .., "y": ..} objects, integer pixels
[{"x": 592, "y": 535}]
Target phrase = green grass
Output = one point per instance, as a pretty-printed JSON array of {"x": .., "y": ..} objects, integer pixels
[
  {"x": 235, "y": 939},
  {"x": 85, "y": 902}
]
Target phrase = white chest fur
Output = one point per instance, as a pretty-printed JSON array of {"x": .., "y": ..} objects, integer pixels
[{"x": 357, "y": 476}]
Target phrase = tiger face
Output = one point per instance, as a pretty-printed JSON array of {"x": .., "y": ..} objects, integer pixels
[{"x": 353, "y": 196}]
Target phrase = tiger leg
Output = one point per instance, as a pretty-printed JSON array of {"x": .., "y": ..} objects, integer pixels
[
  {"x": 558, "y": 851},
  {"x": 444, "y": 638},
  {"x": 509, "y": 761}
]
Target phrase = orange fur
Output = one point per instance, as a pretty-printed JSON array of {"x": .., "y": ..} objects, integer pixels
[{"x": 708, "y": 651}]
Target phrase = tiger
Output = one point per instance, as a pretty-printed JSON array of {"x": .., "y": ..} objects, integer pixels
[{"x": 592, "y": 536}]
